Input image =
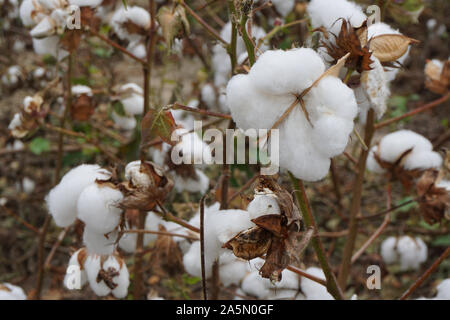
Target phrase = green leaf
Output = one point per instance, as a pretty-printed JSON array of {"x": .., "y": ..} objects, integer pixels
[
  {"x": 125, "y": 4},
  {"x": 39, "y": 145},
  {"x": 442, "y": 241},
  {"x": 188, "y": 280},
  {"x": 118, "y": 108}
]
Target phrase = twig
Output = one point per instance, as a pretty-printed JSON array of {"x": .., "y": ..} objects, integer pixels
[
  {"x": 248, "y": 43},
  {"x": 423, "y": 108},
  {"x": 244, "y": 187},
  {"x": 176, "y": 106},
  {"x": 344, "y": 269},
  {"x": 161, "y": 233},
  {"x": 302, "y": 200},
  {"x": 61, "y": 237},
  {"x": 21, "y": 220},
  {"x": 427, "y": 273},
  {"x": 202, "y": 245}
]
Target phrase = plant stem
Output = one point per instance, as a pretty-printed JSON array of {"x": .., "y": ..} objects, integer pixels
[
  {"x": 248, "y": 43},
  {"x": 176, "y": 106},
  {"x": 356, "y": 202},
  {"x": 202, "y": 246},
  {"x": 427, "y": 273},
  {"x": 308, "y": 217},
  {"x": 232, "y": 46},
  {"x": 138, "y": 255}
]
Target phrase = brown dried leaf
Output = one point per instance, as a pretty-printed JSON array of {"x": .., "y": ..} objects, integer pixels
[
  {"x": 434, "y": 201},
  {"x": 158, "y": 123},
  {"x": 390, "y": 47},
  {"x": 273, "y": 223},
  {"x": 250, "y": 243},
  {"x": 82, "y": 108}
]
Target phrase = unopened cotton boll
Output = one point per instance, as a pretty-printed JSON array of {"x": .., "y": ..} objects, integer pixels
[
  {"x": 11, "y": 292},
  {"x": 75, "y": 273},
  {"x": 312, "y": 289},
  {"x": 268, "y": 90},
  {"x": 392, "y": 146},
  {"x": 327, "y": 13},
  {"x": 62, "y": 199},
  {"x": 98, "y": 208},
  {"x": 263, "y": 204}
]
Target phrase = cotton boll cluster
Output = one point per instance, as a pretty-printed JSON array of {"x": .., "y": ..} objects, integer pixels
[
  {"x": 394, "y": 145},
  {"x": 63, "y": 198},
  {"x": 130, "y": 96},
  {"x": 313, "y": 290},
  {"x": 11, "y": 292},
  {"x": 272, "y": 86},
  {"x": 409, "y": 252},
  {"x": 326, "y": 13},
  {"x": 131, "y": 24}
]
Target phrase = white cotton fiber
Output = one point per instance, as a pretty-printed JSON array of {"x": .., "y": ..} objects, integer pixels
[
  {"x": 443, "y": 290},
  {"x": 80, "y": 89},
  {"x": 98, "y": 208},
  {"x": 413, "y": 252},
  {"x": 124, "y": 122},
  {"x": 25, "y": 11},
  {"x": 128, "y": 240},
  {"x": 312, "y": 289},
  {"x": 122, "y": 280},
  {"x": 253, "y": 284},
  {"x": 388, "y": 250},
  {"x": 86, "y": 3},
  {"x": 232, "y": 272},
  {"x": 45, "y": 28},
  {"x": 49, "y": 46},
  {"x": 11, "y": 292},
  {"x": 134, "y": 175},
  {"x": 98, "y": 243},
  {"x": 200, "y": 184},
  {"x": 133, "y": 102},
  {"x": 269, "y": 90},
  {"x": 392, "y": 146},
  {"x": 282, "y": 294},
  {"x": 133, "y": 14},
  {"x": 327, "y": 12},
  {"x": 284, "y": 6},
  {"x": 62, "y": 199},
  {"x": 263, "y": 204},
  {"x": 70, "y": 273},
  {"x": 92, "y": 265}
]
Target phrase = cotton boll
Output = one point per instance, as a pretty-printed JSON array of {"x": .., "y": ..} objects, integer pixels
[
  {"x": 50, "y": 46},
  {"x": 137, "y": 48},
  {"x": 312, "y": 289},
  {"x": 263, "y": 204},
  {"x": 132, "y": 14},
  {"x": 79, "y": 90},
  {"x": 208, "y": 94},
  {"x": 62, "y": 199},
  {"x": 98, "y": 243},
  {"x": 423, "y": 160},
  {"x": 134, "y": 174},
  {"x": 192, "y": 258},
  {"x": 75, "y": 261},
  {"x": 122, "y": 280},
  {"x": 86, "y": 3},
  {"x": 123, "y": 122},
  {"x": 412, "y": 252},
  {"x": 233, "y": 272},
  {"x": 372, "y": 163},
  {"x": 443, "y": 290},
  {"x": 225, "y": 224},
  {"x": 45, "y": 28},
  {"x": 200, "y": 184},
  {"x": 97, "y": 207},
  {"x": 28, "y": 185},
  {"x": 26, "y": 13},
  {"x": 92, "y": 265},
  {"x": 327, "y": 12},
  {"x": 193, "y": 147},
  {"x": 11, "y": 292},
  {"x": 133, "y": 103},
  {"x": 388, "y": 250},
  {"x": 253, "y": 284}
]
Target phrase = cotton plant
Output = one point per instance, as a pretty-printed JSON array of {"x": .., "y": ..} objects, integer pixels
[
  {"x": 406, "y": 251},
  {"x": 13, "y": 76},
  {"x": 314, "y": 127},
  {"x": 127, "y": 103},
  {"x": 9, "y": 291},
  {"x": 132, "y": 24},
  {"x": 437, "y": 76}
]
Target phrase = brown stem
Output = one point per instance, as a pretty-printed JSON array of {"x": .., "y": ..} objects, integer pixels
[
  {"x": 61, "y": 237},
  {"x": 423, "y": 108},
  {"x": 200, "y": 111},
  {"x": 427, "y": 273},
  {"x": 161, "y": 233},
  {"x": 356, "y": 203},
  {"x": 244, "y": 187},
  {"x": 138, "y": 257},
  {"x": 202, "y": 246}
]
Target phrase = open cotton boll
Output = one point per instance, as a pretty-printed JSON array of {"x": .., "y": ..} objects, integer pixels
[
  {"x": 388, "y": 250},
  {"x": 393, "y": 145},
  {"x": 28, "y": 185},
  {"x": 200, "y": 184},
  {"x": 98, "y": 243},
  {"x": 45, "y": 28},
  {"x": 80, "y": 89},
  {"x": 92, "y": 265},
  {"x": 11, "y": 292},
  {"x": 86, "y": 3},
  {"x": 123, "y": 122},
  {"x": 122, "y": 280},
  {"x": 62, "y": 199},
  {"x": 50, "y": 46},
  {"x": 263, "y": 204},
  {"x": 209, "y": 96},
  {"x": 97, "y": 207},
  {"x": 134, "y": 175},
  {"x": 137, "y": 48},
  {"x": 443, "y": 290},
  {"x": 26, "y": 13},
  {"x": 327, "y": 12},
  {"x": 268, "y": 90},
  {"x": 132, "y": 14},
  {"x": 225, "y": 224},
  {"x": 284, "y": 7},
  {"x": 128, "y": 240},
  {"x": 413, "y": 252},
  {"x": 192, "y": 258},
  {"x": 232, "y": 272},
  {"x": 71, "y": 272},
  {"x": 253, "y": 284},
  {"x": 134, "y": 102},
  {"x": 312, "y": 289}
]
